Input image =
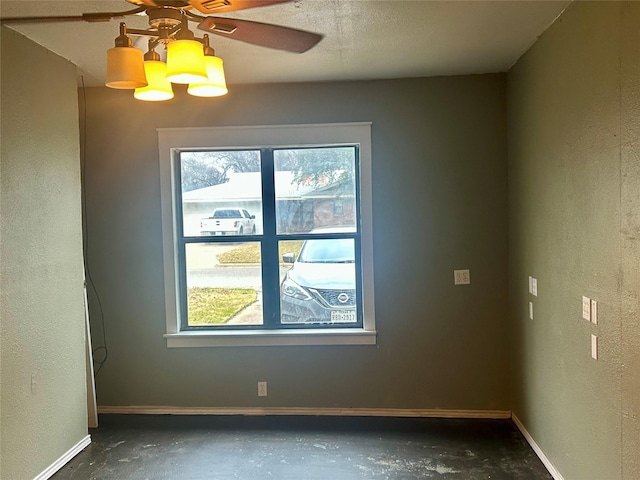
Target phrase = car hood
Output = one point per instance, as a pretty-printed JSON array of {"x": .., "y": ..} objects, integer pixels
[{"x": 335, "y": 276}]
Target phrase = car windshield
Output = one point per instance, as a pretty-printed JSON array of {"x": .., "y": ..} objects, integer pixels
[
  {"x": 226, "y": 214},
  {"x": 335, "y": 250}
]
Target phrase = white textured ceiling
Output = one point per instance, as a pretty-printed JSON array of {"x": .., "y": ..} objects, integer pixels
[{"x": 363, "y": 39}]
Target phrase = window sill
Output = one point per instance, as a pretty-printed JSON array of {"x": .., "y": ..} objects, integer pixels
[{"x": 271, "y": 338}]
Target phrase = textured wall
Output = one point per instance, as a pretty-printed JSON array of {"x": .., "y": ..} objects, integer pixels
[
  {"x": 439, "y": 182},
  {"x": 574, "y": 198},
  {"x": 630, "y": 236},
  {"x": 41, "y": 302}
]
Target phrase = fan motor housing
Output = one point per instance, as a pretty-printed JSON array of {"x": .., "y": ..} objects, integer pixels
[{"x": 164, "y": 17}]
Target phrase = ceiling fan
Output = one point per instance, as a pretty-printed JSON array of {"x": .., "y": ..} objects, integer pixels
[
  {"x": 189, "y": 60},
  {"x": 165, "y": 15}
]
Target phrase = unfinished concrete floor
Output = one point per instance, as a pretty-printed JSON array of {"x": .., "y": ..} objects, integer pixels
[{"x": 132, "y": 447}]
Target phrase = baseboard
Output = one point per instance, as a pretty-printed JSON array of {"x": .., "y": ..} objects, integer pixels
[
  {"x": 547, "y": 463},
  {"x": 62, "y": 461},
  {"x": 353, "y": 412}
]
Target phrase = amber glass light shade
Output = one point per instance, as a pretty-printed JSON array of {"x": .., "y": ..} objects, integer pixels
[
  {"x": 159, "y": 87},
  {"x": 185, "y": 62},
  {"x": 215, "y": 85},
  {"x": 125, "y": 68}
]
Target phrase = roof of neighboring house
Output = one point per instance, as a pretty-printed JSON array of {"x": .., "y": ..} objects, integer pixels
[{"x": 247, "y": 187}]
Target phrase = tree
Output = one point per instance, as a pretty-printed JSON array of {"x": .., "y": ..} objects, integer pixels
[
  {"x": 318, "y": 167},
  {"x": 205, "y": 169}
]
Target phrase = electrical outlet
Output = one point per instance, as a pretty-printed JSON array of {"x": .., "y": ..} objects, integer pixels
[
  {"x": 461, "y": 277},
  {"x": 594, "y": 347},
  {"x": 594, "y": 312},
  {"x": 262, "y": 389},
  {"x": 531, "y": 310}
]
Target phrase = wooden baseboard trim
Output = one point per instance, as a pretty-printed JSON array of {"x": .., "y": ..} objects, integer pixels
[
  {"x": 536, "y": 448},
  {"x": 293, "y": 411},
  {"x": 62, "y": 461}
]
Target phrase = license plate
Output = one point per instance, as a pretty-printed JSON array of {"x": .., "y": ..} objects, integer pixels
[{"x": 343, "y": 316}]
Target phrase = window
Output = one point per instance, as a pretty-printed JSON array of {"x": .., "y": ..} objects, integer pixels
[{"x": 267, "y": 235}]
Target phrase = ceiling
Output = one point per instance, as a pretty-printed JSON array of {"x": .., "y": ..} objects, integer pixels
[{"x": 363, "y": 39}]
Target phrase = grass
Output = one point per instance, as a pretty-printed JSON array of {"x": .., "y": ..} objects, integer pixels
[
  {"x": 250, "y": 252},
  {"x": 216, "y": 306}
]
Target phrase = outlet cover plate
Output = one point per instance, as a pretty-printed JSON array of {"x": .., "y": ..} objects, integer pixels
[{"x": 262, "y": 389}]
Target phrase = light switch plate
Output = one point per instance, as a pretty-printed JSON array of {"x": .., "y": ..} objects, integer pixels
[
  {"x": 530, "y": 284},
  {"x": 586, "y": 308},
  {"x": 594, "y": 347},
  {"x": 534, "y": 287},
  {"x": 461, "y": 277},
  {"x": 594, "y": 312}
]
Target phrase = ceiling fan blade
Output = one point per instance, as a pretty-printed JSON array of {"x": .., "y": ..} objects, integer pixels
[
  {"x": 76, "y": 18},
  {"x": 219, "y": 6},
  {"x": 85, "y": 17},
  {"x": 263, "y": 34}
]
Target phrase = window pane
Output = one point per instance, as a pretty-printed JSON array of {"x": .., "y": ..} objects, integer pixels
[
  {"x": 224, "y": 284},
  {"x": 315, "y": 188},
  {"x": 221, "y": 193},
  {"x": 319, "y": 285}
]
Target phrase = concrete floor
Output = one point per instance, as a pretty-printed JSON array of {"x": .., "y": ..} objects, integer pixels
[{"x": 131, "y": 447}]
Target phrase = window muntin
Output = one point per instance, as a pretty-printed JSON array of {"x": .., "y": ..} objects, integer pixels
[{"x": 297, "y": 192}]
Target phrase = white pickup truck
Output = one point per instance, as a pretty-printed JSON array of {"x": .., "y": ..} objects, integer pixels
[{"x": 228, "y": 221}]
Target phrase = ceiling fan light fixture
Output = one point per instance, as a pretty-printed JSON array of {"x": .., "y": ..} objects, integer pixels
[
  {"x": 185, "y": 62},
  {"x": 168, "y": 25},
  {"x": 125, "y": 68},
  {"x": 185, "y": 57},
  {"x": 159, "y": 88},
  {"x": 215, "y": 85},
  {"x": 125, "y": 64}
]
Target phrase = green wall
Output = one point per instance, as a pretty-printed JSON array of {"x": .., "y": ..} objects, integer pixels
[
  {"x": 574, "y": 220},
  {"x": 41, "y": 282},
  {"x": 440, "y": 203}
]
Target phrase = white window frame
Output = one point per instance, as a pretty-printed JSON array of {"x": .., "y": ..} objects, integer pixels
[{"x": 171, "y": 140}]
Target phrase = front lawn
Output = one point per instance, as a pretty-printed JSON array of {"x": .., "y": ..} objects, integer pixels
[{"x": 215, "y": 306}]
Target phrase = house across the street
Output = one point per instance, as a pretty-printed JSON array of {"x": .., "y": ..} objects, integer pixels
[{"x": 300, "y": 206}]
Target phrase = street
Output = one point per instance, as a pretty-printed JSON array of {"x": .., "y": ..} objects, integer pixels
[{"x": 228, "y": 277}]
